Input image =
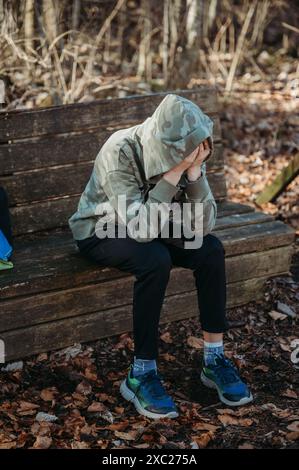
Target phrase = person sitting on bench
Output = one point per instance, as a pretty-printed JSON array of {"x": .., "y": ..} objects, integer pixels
[{"x": 159, "y": 163}]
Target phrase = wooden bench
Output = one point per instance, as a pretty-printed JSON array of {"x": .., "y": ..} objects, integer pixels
[{"x": 53, "y": 297}]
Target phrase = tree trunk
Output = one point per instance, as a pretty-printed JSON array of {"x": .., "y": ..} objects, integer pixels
[
  {"x": 187, "y": 58},
  {"x": 49, "y": 20},
  {"x": 29, "y": 25}
]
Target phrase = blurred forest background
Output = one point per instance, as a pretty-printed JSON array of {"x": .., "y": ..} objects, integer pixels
[{"x": 59, "y": 52}]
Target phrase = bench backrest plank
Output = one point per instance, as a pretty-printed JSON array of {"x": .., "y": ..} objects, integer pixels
[{"x": 38, "y": 148}]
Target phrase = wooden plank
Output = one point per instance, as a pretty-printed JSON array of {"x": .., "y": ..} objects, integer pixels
[
  {"x": 40, "y": 185},
  {"x": 238, "y": 220},
  {"x": 255, "y": 237},
  {"x": 63, "y": 149},
  {"x": 54, "y": 263},
  {"x": 282, "y": 180},
  {"x": 46, "y": 307},
  {"x": 100, "y": 113},
  {"x": 24, "y": 342},
  {"x": 46, "y": 215}
]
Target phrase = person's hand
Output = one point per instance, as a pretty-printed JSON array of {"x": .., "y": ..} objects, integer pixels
[
  {"x": 174, "y": 174},
  {"x": 201, "y": 153}
]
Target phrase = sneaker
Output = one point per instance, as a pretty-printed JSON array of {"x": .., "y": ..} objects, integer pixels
[
  {"x": 148, "y": 395},
  {"x": 224, "y": 377}
]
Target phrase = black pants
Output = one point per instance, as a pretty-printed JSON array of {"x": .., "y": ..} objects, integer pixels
[{"x": 151, "y": 263}]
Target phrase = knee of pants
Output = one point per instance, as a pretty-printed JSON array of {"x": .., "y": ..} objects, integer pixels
[
  {"x": 214, "y": 250},
  {"x": 158, "y": 261},
  {"x": 216, "y": 244}
]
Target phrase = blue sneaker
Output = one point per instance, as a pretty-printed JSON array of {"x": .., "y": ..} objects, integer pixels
[
  {"x": 224, "y": 377},
  {"x": 148, "y": 395}
]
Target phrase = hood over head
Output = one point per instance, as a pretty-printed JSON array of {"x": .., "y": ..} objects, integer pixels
[{"x": 174, "y": 130}]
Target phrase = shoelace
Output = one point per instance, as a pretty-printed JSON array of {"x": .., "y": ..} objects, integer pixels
[
  {"x": 227, "y": 370},
  {"x": 152, "y": 381}
]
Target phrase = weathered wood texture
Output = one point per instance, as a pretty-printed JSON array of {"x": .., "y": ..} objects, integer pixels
[
  {"x": 52, "y": 306},
  {"x": 34, "y": 339},
  {"x": 120, "y": 112},
  {"x": 54, "y": 297},
  {"x": 45, "y": 184},
  {"x": 66, "y": 149}
]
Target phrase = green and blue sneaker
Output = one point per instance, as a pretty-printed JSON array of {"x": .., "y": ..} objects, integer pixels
[
  {"x": 224, "y": 377},
  {"x": 148, "y": 395}
]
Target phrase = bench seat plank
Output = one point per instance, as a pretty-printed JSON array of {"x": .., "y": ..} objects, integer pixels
[
  {"x": 50, "y": 306},
  {"x": 54, "y": 335},
  {"x": 55, "y": 263}
]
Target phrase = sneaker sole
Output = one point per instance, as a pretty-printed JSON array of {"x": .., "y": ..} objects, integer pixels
[
  {"x": 130, "y": 396},
  {"x": 210, "y": 384}
]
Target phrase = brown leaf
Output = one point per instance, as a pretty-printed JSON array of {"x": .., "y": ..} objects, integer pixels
[
  {"x": 90, "y": 375},
  {"x": 293, "y": 426},
  {"x": 48, "y": 394},
  {"x": 166, "y": 337},
  {"x": 118, "y": 426},
  {"x": 96, "y": 407},
  {"x": 27, "y": 406},
  {"x": 8, "y": 445},
  {"x": 293, "y": 436},
  {"x": 289, "y": 394},
  {"x": 246, "y": 445},
  {"x": 194, "y": 342},
  {"x": 203, "y": 440},
  {"x": 168, "y": 357},
  {"x": 80, "y": 445},
  {"x": 126, "y": 436},
  {"x": 245, "y": 422},
  {"x": 262, "y": 367},
  {"x": 84, "y": 388},
  {"x": 277, "y": 315},
  {"x": 119, "y": 410},
  {"x": 226, "y": 411},
  {"x": 42, "y": 442},
  {"x": 204, "y": 427},
  {"x": 228, "y": 420}
]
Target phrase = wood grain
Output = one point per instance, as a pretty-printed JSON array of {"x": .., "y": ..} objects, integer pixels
[{"x": 49, "y": 336}]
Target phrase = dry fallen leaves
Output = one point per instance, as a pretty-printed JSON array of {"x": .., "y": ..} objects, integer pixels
[
  {"x": 277, "y": 315},
  {"x": 294, "y": 426},
  {"x": 48, "y": 394},
  {"x": 42, "y": 442},
  {"x": 166, "y": 337},
  {"x": 203, "y": 440},
  {"x": 204, "y": 427}
]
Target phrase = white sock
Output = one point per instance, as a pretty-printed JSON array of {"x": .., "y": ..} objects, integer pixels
[{"x": 211, "y": 351}]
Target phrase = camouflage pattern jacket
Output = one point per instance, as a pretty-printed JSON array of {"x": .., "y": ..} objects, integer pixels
[{"x": 173, "y": 131}]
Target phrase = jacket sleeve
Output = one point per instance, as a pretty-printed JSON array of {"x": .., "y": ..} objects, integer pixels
[
  {"x": 133, "y": 212},
  {"x": 200, "y": 191}
]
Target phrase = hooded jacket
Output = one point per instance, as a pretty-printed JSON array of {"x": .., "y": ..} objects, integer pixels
[{"x": 163, "y": 140}]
